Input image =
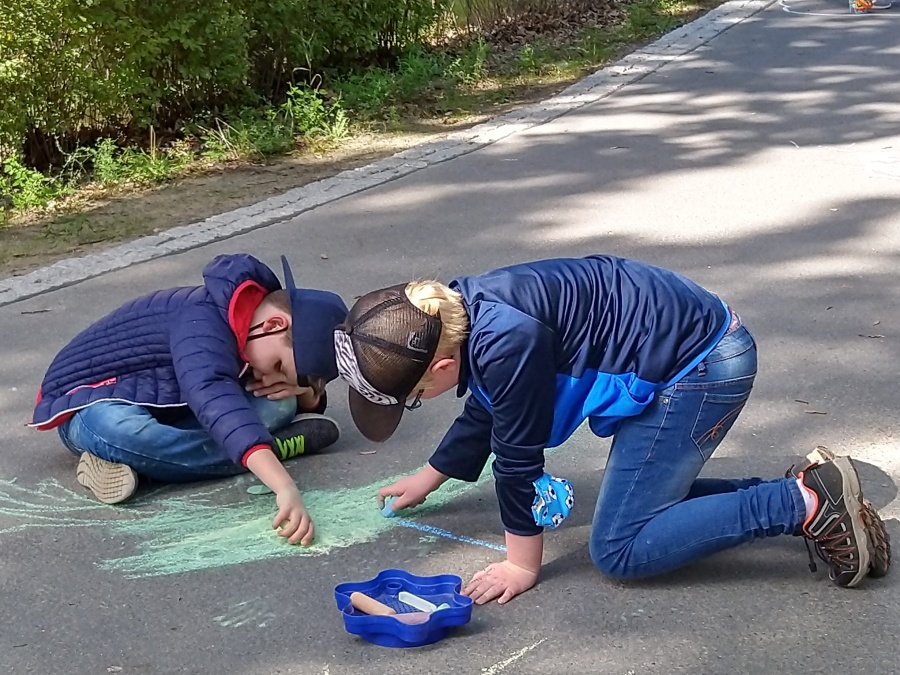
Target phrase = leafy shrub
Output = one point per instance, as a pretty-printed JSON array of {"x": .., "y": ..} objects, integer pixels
[
  {"x": 24, "y": 188},
  {"x": 74, "y": 70}
]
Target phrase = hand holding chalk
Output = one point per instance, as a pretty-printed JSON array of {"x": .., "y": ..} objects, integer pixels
[
  {"x": 387, "y": 511},
  {"x": 413, "y": 489}
]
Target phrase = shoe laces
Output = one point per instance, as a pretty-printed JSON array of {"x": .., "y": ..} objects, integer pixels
[
  {"x": 290, "y": 447},
  {"x": 833, "y": 550},
  {"x": 809, "y": 552},
  {"x": 829, "y": 547}
]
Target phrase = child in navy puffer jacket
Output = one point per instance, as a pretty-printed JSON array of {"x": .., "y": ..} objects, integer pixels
[{"x": 190, "y": 383}]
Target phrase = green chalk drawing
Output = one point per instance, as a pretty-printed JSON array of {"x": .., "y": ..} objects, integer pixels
[
  {"x": 191, "y": 532},
  {"x": 186, "y": 535},
  {"x": 50, "y": 504}
]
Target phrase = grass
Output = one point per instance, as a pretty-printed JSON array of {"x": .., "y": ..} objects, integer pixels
[{"x": 443, "y": 86}]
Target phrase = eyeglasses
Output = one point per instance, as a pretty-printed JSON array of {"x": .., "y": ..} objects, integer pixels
[
  {"x": 417, "y": 401},
  {"x": 264, "y": 334},
  {"x": 302, "y": 380}
]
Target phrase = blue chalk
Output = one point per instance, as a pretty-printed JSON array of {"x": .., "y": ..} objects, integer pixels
[{"x": 386, "y": 511}]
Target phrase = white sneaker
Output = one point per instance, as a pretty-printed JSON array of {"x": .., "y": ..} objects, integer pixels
[
  {"x": 111, "y": 483},
  {"x": 882, "y": 4}
]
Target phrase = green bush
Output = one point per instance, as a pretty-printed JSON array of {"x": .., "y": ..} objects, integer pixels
[
  {"x": 112, "y": 165},
  {"x": 24, "y": 188},
  {"x": 73, "y": 70},
  {"x": 420, "y": 77}
]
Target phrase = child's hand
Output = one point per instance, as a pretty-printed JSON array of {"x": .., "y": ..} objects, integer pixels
[
  {"x": 504, "y": 580},
  {"x": 412, "y": 490},
  {"x": 293, "y": 518},
  {"x": 275, "y": 388}
]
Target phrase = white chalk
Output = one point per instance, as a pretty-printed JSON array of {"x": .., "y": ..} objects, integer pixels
[{"x": 415, "y": 601}]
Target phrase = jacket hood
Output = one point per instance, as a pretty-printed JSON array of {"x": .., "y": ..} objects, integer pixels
[{"x": 226, "y": 273}]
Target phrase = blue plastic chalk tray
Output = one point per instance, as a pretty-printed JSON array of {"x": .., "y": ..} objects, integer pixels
[{"x": 388, "y": 631}]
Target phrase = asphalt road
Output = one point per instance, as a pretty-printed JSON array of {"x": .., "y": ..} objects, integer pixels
[{"x": 764, "y": 165}]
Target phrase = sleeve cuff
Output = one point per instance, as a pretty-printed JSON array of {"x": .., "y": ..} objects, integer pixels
[
  {"x": 467, "y": 473},
  {"x": 525, "y": 533},
  {"x": 255, "y": 448}
]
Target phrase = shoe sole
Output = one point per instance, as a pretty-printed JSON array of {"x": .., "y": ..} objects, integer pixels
[
  {"x": 111, "y": 483},
  {"x": 879, "y": 539}
]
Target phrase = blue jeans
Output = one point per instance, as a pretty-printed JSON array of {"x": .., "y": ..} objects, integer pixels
[
  {"x": 653, "y": 514},
  {"x": 177, "y": 451}
]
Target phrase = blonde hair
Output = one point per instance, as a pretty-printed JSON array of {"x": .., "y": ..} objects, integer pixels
[{"x": 434, "y": 298}]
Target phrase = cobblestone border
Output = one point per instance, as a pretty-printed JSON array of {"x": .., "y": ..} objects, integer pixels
[{"x": 631, "y": 68}]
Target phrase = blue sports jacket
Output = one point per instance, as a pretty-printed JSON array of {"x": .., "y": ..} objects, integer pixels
[
  {"x": 556, "y": 342},
  {"x": 173, "y": 348}
]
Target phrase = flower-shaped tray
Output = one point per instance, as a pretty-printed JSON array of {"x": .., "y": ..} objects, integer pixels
[{"x": 388, "y": 631}]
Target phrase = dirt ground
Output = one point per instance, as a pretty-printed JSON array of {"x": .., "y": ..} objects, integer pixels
[
  {"x": 128, "y": 216},
  {"x": 111, "y": 220}
]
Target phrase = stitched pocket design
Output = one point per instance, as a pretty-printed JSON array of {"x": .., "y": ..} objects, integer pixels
[{"x": 716, "y": 416}]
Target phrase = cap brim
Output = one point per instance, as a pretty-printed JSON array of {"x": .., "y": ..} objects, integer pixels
[{"x": 375, "y": 422}]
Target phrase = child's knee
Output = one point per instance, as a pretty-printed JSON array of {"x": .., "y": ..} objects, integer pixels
[
  {"x": 611, "y": 560},
  {"x": 110, "y": 420},
  {"x": 66, "y": 437},
  {"x": 104, "y": 425},
  {"x": 278, "y": 413}
]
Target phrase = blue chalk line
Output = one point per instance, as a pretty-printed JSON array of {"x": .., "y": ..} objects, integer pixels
[{"x": 449, "y": 535}]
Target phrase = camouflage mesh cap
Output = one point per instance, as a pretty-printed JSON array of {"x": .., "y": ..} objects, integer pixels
[{"x": 382, "y": 350}]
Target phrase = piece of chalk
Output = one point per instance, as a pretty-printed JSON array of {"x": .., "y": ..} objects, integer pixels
[
  {"x": 415, "y": 601},
  {"x": 370, "y": 606},
  {"x": 387, "y": 512},
  {"x": 259, "y": 490}
]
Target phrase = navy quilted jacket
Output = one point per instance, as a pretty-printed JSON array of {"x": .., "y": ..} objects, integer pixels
[{"x": 171, "y": 348}]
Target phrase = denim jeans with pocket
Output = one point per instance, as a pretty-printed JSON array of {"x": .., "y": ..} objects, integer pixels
[
  {"x": 176, "y": 451},
  {"x": 653, "y": 514}
]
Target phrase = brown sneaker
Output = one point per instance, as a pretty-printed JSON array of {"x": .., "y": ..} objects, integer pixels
[
  {"x": 835, "y": 524},
  {"x": 879, "y": 539},
  {"x": 111, "y": 483}
]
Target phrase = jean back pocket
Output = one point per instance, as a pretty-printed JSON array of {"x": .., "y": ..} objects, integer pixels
[{"x": 717, "y": 414}]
